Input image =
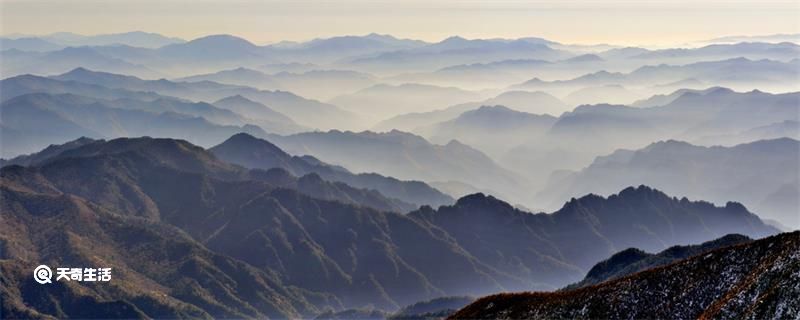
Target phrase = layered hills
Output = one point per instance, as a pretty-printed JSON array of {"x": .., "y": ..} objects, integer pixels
[{"x": 175, "y": 204}]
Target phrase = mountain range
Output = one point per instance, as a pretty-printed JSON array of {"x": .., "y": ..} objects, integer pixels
[
  {"x": 478, "y": 128},
  {"x": 223, "y": 178},
  {"x": 317, "y": 84},
  {"x": 39, "y": 119},
  {"x": 762, "y": 175},
  {"x": 405, "y": 156},
  {"x": 383, "y": 101},
  {"x": 740, "y": 73},
  {"x": 133, "y": 39},
  {"x": 306, "y": 112},
  {"x": 577, "y": 137},
  {"x": 525, "y": 101},
  {"x": 251, "y": 152},
  {"x": 182, "y": 230}
]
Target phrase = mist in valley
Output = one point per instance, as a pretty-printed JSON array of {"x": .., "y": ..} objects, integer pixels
[{"x": 316, "y": 166}]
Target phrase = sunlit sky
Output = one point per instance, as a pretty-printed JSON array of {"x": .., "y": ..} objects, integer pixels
[{"x": 622, "y": 22}]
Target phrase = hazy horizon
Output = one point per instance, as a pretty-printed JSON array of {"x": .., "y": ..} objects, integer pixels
[
  {"x": 599, "y": 22},
  {"x": 386, "y": 160}
]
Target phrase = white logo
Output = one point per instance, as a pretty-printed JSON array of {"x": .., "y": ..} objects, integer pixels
[{"x": 42, "y": 274}]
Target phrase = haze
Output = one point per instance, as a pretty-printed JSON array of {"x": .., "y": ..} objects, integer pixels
[{"x": 654, "y": 23}]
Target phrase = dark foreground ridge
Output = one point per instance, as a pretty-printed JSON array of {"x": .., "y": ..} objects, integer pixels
[
  {"x": 757, "y": 280},
  {"x": 633, "y": 260}
]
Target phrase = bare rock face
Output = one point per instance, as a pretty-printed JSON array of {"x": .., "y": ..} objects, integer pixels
[{"x": 757, "y": 280}]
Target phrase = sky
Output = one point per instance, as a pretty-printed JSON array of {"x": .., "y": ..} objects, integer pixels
[{"x": 620, "y": 22}]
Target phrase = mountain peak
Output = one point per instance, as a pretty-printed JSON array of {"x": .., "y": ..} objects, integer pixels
[
  {"x": 237, "y": 98},
  {"x": 173, "y": 153},
  {"x": 639, "y": 191},
  {"x": 480, "y": 200},
  {"x": 222, "y": 39},
  {"x": 248, "y": 141},
  {"x": 454, "y": 39}
]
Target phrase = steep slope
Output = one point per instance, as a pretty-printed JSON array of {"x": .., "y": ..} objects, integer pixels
[
  {"x": 755, "y": 280},
  {"x": 434, "y": 308},
  {"x": 632, "y": 260},
  {"x": 251, "y": 152},
  {"x": 157, "y": 270}
]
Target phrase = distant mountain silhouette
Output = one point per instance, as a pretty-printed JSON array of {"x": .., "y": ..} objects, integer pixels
[
  {"x": 611, "y": 93},
  {"x": 318, "y": 84},
  {"x": 525, "y": 101},
  {"x": 479, "y": 128},
  {"x": 782, "y": 129},
  {"x": 251, "y": 152},
  {"x": 28, "y": 44},
  {"x": 765, "y": 74},
  {"x": 305, "y": 112},
  {"x": 33, "y": 121},
  {"x": 756, "y": 279},
  {"x": 755, "y": 174},
  {"x": 584, "y": 58},
  {"x": 480, "y": 75},
  {"x": 771, "y": 38},
  {"x": 63, "y": 60},
  {"x": 238, "y": 76},
  {"x": 457, "y": 50},
  {"x": 382, "y": 101},
  {"x": 749, "y": 50},
  {"x": 133, "y": 39},
  {"x": 214, "y": 47},
  {"x": 26, "y": 84},
  {"x": 266, "y": 118},
  {"x": 405, "y": 156},
  {"x": 334, "y": 49},
  {"x": 689, "y": 115}
]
